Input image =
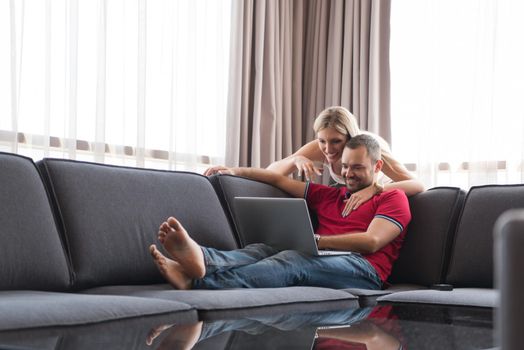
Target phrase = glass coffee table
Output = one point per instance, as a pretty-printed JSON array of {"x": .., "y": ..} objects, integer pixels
[{"x": 391, "y": 326}]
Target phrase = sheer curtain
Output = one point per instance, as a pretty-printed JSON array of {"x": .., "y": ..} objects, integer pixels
[
  {"x": 141, "y": 83},
  {"x": 457, "y": 86}
]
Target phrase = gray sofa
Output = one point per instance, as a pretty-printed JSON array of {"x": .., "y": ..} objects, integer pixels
[{"x": 74, "y": 238}]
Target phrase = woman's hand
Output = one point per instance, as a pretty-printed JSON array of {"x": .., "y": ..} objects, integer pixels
[
  {"x": 307, "y": 167},
  {"x": 218, "y": 169},
  {"x": 362, "y": 196}
]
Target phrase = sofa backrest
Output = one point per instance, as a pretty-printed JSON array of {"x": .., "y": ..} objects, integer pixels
[
  {"x": 471, "y": 263},
  {"x": 110, "y": 215},
  {"x": 31, "y": 253},
  {"x": 229, "y": 187},
  {"x": 425, "y": 254},
  {"x": 427, "y": 246}
]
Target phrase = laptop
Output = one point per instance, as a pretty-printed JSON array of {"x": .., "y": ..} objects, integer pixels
[{"x": 282, "y": 223}]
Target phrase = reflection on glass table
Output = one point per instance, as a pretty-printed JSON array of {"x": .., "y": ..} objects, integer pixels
[
  {"x": 381, "y": 327},
  {"x": 296, "y": 331}
]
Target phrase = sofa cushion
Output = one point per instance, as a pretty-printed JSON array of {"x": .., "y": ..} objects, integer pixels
[
  {"x": 110, "y": 215},
  {"x": 368, "y": 297},
  {"x": 237, "y": 303},
  {"x": 426, "y": 249},
  {"x": 31, "y": 252},
  {"x": 471, "y": 263},
  {"x": 31, "y": 309},
  {"x": 479, "y": 297}
]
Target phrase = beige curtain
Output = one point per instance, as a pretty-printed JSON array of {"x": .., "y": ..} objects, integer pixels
[{"x": 291, "y": 59}]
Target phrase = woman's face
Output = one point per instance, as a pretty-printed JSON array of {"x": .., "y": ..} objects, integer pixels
[{"x": 331, "y": 143}]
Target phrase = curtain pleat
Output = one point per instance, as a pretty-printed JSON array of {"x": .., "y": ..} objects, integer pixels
[
  {"x": 47, "y": 81},
  {"x": 99, "y": 145},
  {"x": 379, "y": 107},
  {"x": 172, "y": 32},
  {"x": 141, "y": 84},
  {"x": 16, "y": 66},
  {"x": 72, "y": 81}
]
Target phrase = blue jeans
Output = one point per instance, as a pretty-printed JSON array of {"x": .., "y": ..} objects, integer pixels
[{"x": 261, "y": 266}]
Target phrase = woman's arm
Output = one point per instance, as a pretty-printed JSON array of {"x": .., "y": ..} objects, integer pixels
[
  {"x": 302, "y": 160},
  {"x": 400, "y": 175},
  {"x": 393, "y": 169},
  {"x": 409, "y": 187}
]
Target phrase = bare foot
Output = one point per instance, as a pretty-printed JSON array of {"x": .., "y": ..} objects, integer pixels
[
  {"x": 182, "y": 248},
  {"x": 179, "y": 337},
  {"x": 172, "y": 271}
]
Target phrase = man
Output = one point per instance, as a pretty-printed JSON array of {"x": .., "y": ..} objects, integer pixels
[{"x": 375, "y": 230}]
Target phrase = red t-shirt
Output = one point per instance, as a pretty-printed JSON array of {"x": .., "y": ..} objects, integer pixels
[{"x": 393, "y": 205}]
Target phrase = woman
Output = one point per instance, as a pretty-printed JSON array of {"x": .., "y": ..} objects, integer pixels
[{"x": 334, "y": 126}]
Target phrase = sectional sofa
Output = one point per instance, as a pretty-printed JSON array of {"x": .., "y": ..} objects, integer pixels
[{"x": 74, "y": 238}]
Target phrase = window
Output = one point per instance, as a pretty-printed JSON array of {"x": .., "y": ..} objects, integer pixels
[
  {"x": 457, "y": 73},
  {"x": 141, "y": 83}
]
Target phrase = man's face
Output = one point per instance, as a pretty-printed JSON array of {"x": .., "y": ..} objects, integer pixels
[{"x": 357, "y": 168}]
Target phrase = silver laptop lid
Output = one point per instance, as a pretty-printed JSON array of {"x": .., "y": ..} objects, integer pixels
[{"x": 282, "y": 223}]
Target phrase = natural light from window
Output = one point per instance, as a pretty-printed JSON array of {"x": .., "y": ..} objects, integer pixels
[
  {"x": 457, "y": 73},
  {"x": 140, "y": 83}
]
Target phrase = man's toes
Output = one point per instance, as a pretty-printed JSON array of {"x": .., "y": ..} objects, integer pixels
[
  {"x": 155, "y": 253},
  {"x": 174, "y": 224},
  {"x": 165, "y": 227}
]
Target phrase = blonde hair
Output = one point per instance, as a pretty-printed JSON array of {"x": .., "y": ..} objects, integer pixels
[
  {"x": 338, "y": 118},
  {"x": 343, "y": 121}
]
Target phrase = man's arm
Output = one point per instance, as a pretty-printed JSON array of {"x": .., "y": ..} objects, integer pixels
[
  {"x": 379, "y": 233},
  {"x": 293, "y": 187}
]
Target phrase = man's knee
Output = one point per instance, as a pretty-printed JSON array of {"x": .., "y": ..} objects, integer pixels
[{"x": 290, "y": 255}]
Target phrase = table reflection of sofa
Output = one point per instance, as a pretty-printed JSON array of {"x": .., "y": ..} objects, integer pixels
[{"x": 74, "y": 238}]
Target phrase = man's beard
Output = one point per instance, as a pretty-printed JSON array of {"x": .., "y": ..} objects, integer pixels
[{"x": 357, "y": 186}]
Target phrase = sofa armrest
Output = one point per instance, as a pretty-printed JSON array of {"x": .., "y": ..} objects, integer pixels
[{"x": 509, "y": 261}]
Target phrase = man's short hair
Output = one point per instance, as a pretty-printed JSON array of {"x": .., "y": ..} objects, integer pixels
[{"x": 363, "y": 140}]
